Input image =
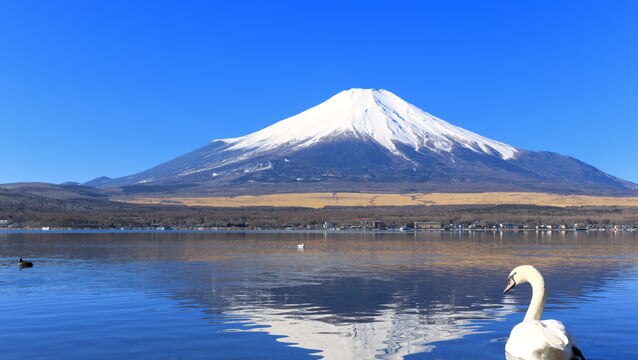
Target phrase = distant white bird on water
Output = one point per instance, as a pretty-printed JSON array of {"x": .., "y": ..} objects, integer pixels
[
  {"x": 536, "y": 339},
  {"x": 300, "y": 247}
]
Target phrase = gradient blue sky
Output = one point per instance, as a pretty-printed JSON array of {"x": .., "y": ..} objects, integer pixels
[{"x": 91, "y": 88}]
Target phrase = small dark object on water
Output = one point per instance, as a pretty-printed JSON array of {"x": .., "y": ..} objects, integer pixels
[{"x": 23, "y": 264}]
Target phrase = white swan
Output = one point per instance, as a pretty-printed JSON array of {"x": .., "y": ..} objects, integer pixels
[
  {"x": 536, "y": 339},
  {"x": 300, "y": 247}
]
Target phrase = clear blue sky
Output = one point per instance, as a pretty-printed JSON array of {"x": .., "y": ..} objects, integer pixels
[{"x": 91, "y": 88}]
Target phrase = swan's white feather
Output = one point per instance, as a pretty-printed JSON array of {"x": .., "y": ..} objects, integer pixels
[{"x": 546, "y": 340}]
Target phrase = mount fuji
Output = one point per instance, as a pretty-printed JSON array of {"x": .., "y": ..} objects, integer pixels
[{"x": 366, "y": 140}]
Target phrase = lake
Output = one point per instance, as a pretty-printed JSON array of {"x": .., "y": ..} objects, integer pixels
[{"x": 178, "y": 295}]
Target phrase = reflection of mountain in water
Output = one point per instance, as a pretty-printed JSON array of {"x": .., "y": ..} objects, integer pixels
[{"x": 392, "y": 333}]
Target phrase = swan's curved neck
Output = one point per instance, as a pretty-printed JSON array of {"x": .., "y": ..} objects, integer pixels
[{"x": 536, "y": 306}]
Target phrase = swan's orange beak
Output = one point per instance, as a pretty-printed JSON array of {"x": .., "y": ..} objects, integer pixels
[{"x": 510, "y": 284}]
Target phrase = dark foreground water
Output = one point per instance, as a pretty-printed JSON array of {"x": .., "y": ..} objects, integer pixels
[{"x": 346, "y": 296}]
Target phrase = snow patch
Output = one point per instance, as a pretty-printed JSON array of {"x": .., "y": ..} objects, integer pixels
[{"x": 258, "y": 167}]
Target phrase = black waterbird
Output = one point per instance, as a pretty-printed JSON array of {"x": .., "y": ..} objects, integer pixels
[{"x": 23, "y": 264}]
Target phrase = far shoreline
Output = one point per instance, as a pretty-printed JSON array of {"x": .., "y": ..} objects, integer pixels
[{"x": 306, "y": 231}]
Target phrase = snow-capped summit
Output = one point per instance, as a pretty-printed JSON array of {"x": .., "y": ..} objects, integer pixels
[
  {"x": 365, "y": 140},
  {"x": 378, "y": 115}
]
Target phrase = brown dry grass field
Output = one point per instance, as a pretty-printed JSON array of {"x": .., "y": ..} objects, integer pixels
[{"x": 321, "y": 200}]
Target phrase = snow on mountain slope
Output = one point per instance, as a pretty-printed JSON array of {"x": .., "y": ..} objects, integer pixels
[{"x": 378, "y": 115}]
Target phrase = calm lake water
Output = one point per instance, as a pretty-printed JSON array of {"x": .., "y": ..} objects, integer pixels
[{"x": 346, "y": 296}]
